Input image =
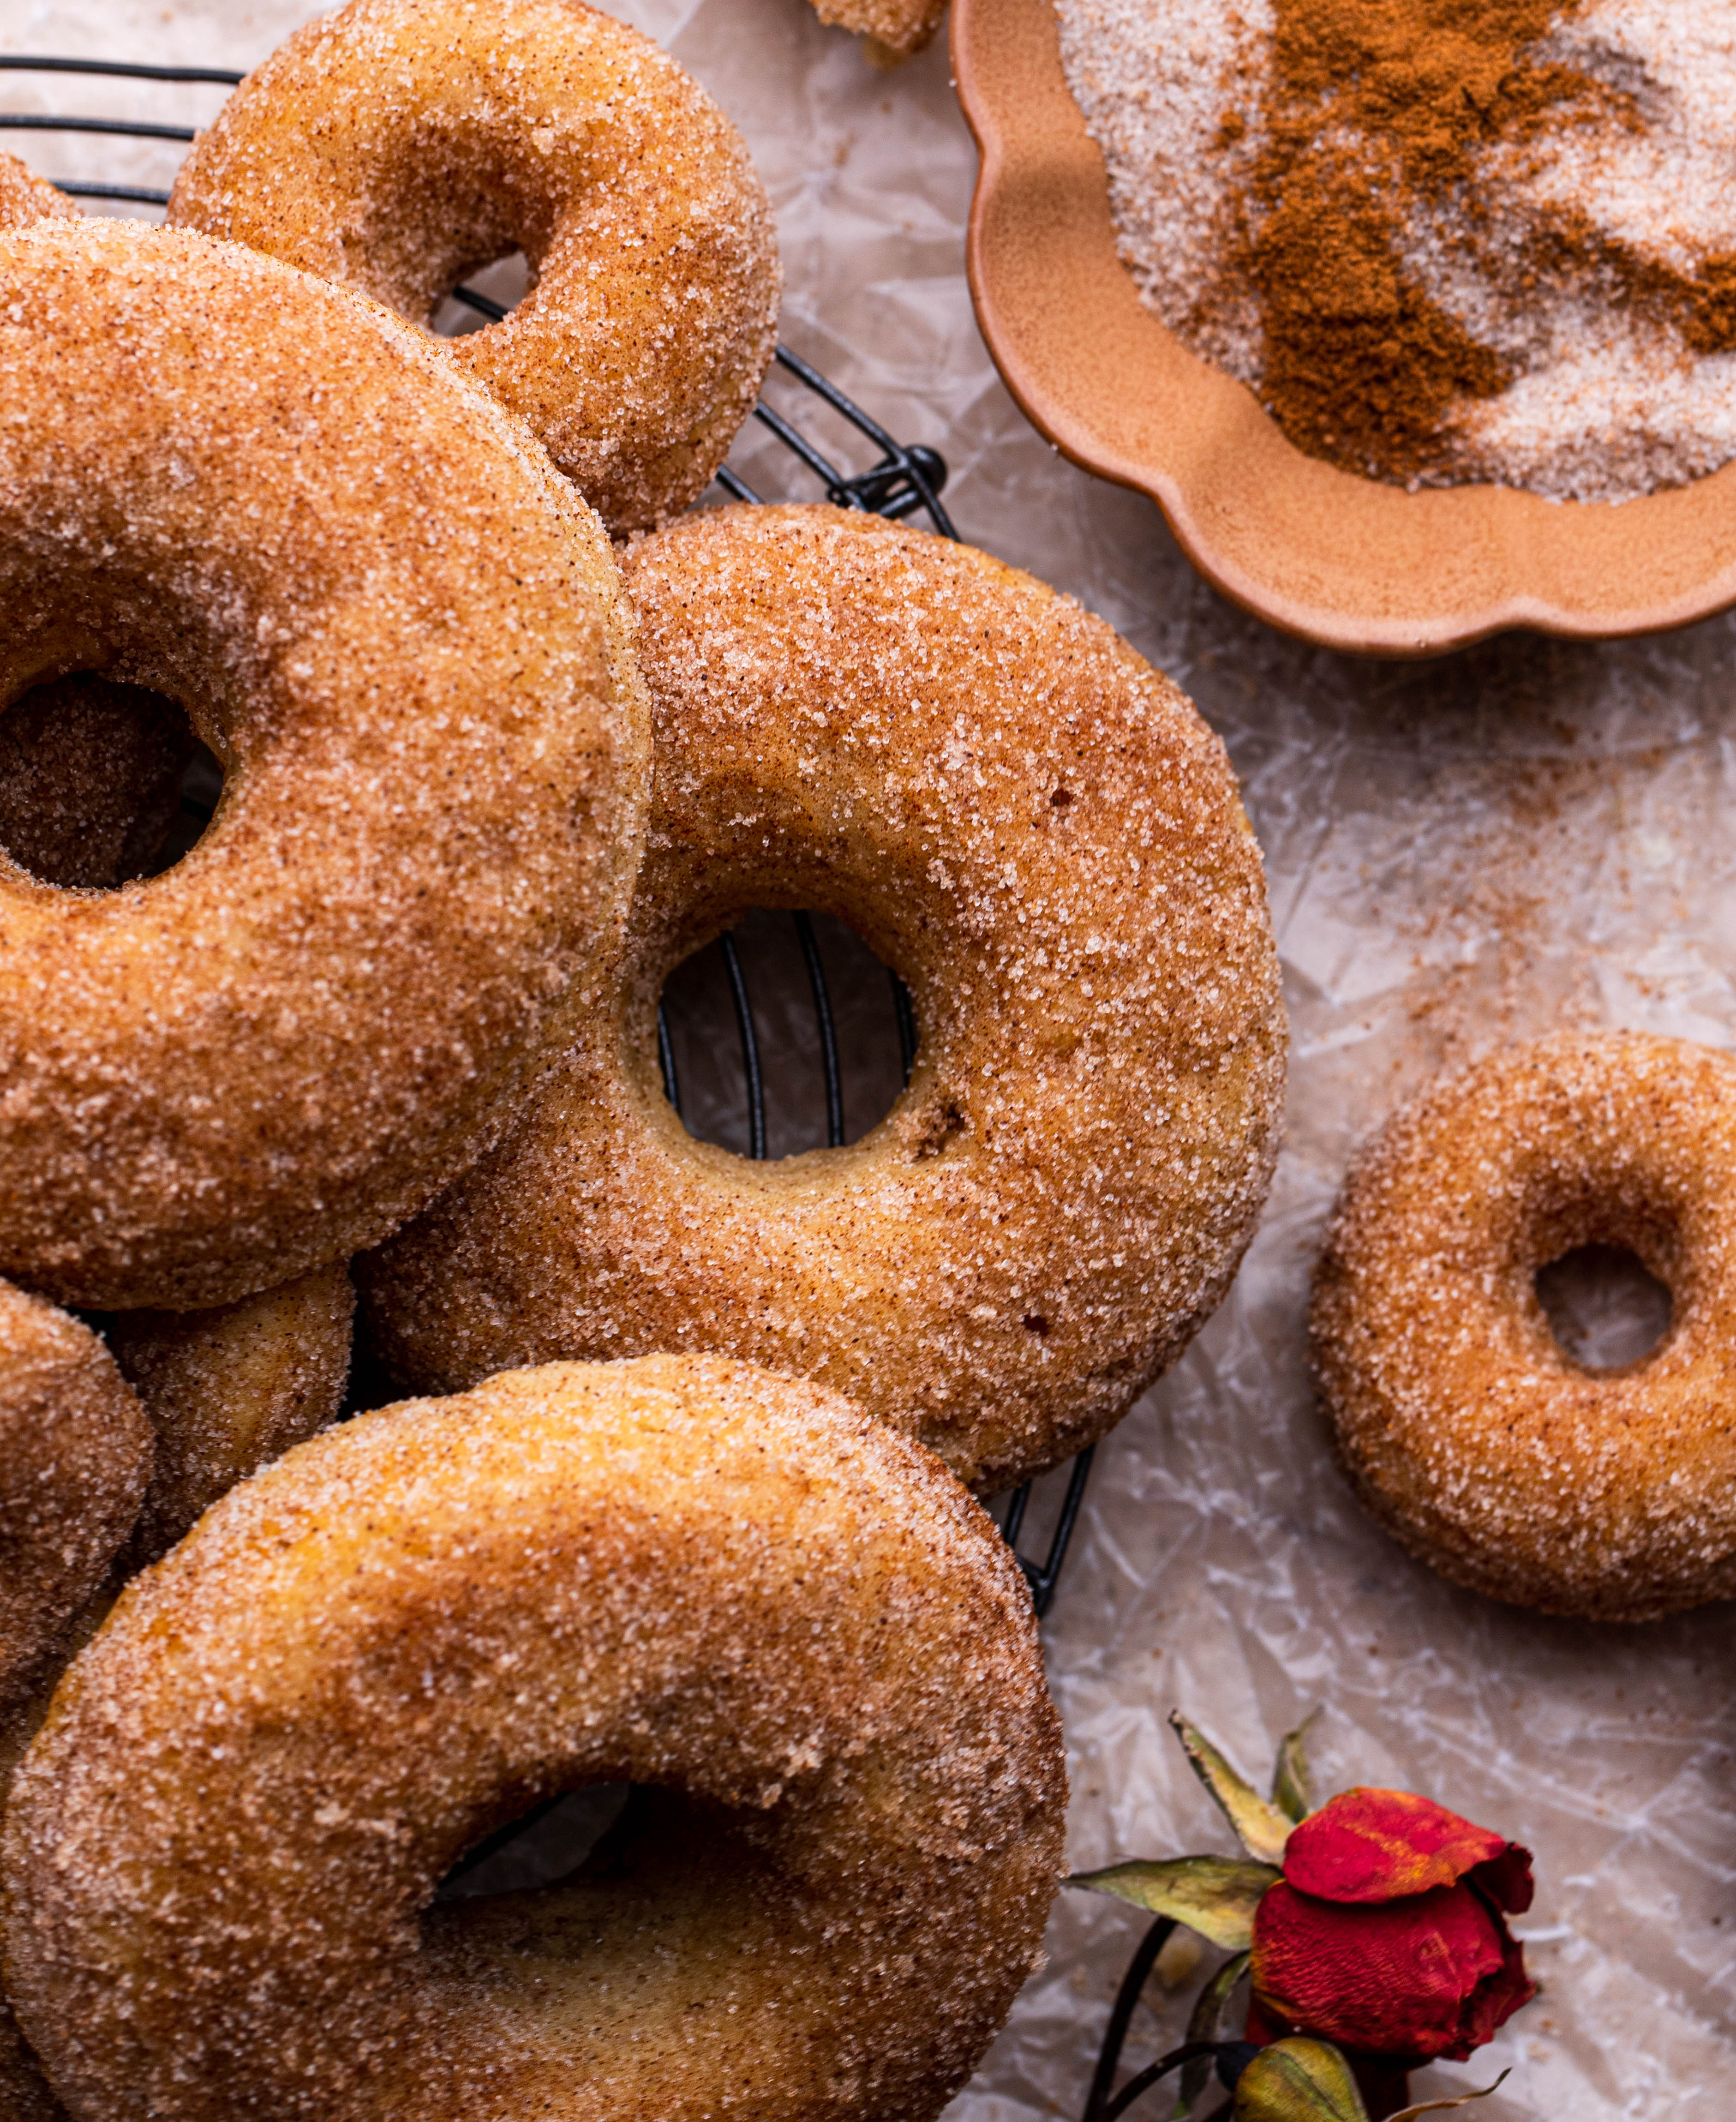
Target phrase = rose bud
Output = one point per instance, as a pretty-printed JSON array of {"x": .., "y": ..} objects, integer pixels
[
  {"x": 1299, "y": 2081},
  {"x": 1386, "y": 1932}
]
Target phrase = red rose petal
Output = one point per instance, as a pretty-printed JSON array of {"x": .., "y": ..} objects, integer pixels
[
  {"x": 1432, "y": 1974},
  {"x": 1507, "y": 1880},
  {"x": 1380, "y": 1845},
  {"x": 1497, "y": 1999}
]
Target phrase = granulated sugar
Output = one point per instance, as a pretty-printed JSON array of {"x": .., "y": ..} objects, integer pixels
[
  {"x": 1171, "y": 92},
  {"x": 1439, "y": 250}
]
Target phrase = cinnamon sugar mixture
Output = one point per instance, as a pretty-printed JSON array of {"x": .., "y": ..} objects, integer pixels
[{"x": 1444, "y": 240}]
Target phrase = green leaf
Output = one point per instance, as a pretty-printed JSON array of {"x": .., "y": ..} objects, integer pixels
[
  {"x": 1299, "y": 2081},
  {"x": 1464, "y": 2100},
  {"x": 1290, "y": 1791},
  {"x": 1260, "y": 1828},
  {"x": 1214, "y": 1896},
  {"x": 1202, "y": 2026}
]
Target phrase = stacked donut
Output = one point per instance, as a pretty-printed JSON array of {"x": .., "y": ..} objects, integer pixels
[{"x": 691, "y": 1513}]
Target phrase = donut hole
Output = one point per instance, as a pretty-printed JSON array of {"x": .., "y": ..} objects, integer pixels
[
  {"x": 772, "y": 978},
  {"x": 545, "y": 1843},
  {"x": 1606, "y": 1308},
  {"x": 101, "y": 784},
  {"x": 200, "y": 792},
  {"x": 502, "y": 287}
]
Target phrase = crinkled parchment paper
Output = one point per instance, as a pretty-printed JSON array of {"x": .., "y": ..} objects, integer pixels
[{"x": 1522, "y": 836}]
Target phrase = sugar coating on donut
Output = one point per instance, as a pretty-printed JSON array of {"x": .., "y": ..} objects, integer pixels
[
  {"x": 403, "y": 636},
  {"x": 1039, "y": 834},
  {"x": 25, "y": 197},
  {"x": 397, "y": 146},
  {"x": 895, "y": 29},
  {"x": 75, "y": 1455},
  {"x": 25, "y": 2096},
  {"x": 230, "y": 1390},
  {"x": 677, "y": 1572},
  {"x": 1465, "y": 1426}
]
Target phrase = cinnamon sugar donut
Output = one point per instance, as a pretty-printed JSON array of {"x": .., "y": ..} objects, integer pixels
[
  {"x": 1042, "y": 837},
  {"x": 89, "y": 772},
  {"x": 89, "y": 777},
  {"x": 229, "y": 1391},
  {"x": 75, "y": 1455},
  {"x": 401, "y": 635},
  {"x": 25, "y": 197},
  {"x": 893, "y": 29},
  {"x": 397, "y": 146},
  {"x": 25, "y": 2096},
  {"x": 679, "y": 1573},
  {"x": 1465, "y": 1428}
]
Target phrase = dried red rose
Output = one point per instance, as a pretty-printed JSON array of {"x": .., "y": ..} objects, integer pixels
[{"x": 1386, "y": 1932}]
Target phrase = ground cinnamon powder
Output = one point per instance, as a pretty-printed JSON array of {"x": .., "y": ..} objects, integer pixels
[
  {"x": 1372, "y": 114},
  {"x": 1445, "y": 242}
]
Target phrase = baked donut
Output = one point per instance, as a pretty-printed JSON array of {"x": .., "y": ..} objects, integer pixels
[
  {"x": 25, "y": 197},
  {"x": 25, "y": 2096},
  {"x": 1042, "y": 837},
  {"x": 397, "y": 146},
  {"x": 1465, "y": 1427},
  {"x": 89, "y": 772},
  {"x": 893, "y": 29},
  {"x": 75, "y": 1455},
  {"x": 403, "y": 636},
  {"x": 679, "y": 1573},
  {"x": 90, "y": 777},
  {"x": 229, "y": 1391},
  {"x": 91, "y": 780}
]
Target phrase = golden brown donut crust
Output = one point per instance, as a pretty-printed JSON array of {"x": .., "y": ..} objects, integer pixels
[
  {"x": 1039, "y": 834},
  {"x": 25, "y": 197},
  {"x": 229, "y": 1391},
  {"x": 25, "y": 2096},
  {"x": 1465, "y": 1428},
  {"x": 895, "y": 30},
  {"x": 90, "y": 780},
  {"x": 403, "y": 636},
  {"x": 679, "y": 1572},
  {"x": 397, "y": 146},
  {"x": 75, "y": 1455}
]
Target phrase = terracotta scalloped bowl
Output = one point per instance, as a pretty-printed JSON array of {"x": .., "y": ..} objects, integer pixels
[{"x": 1337, "y": 559}]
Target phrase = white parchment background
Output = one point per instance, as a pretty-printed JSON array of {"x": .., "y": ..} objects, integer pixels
[{"x": 1515, "y": 838}]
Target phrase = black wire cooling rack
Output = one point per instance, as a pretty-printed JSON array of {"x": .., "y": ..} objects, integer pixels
[{"x": 902, "y": 480}]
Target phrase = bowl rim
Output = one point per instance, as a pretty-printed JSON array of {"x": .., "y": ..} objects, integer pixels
[{"x": 1346, "y": 562}]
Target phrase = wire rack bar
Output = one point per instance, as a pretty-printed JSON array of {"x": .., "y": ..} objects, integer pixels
[
  {"x": 828, "y": 1039},
  {"x": 484, "y": 306},
  {"x": 735, "y": 486},
  {"x": 491, "y": 1845},
  {"x": 1043, "y": 1576},
  {"x": 135, "y": 195},
  {"x": 119, "y": 69},
  {"x": 749, "y": 1051},
  {"x": 793, "y": 440},
  {"x": 903, "y": 482},
  {"x": 666, "y": 1061},
  {"x": 30, "y": 121},
  {"x": 904, "y": 1012},
  {"x": 1121, "y": 2018}
]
